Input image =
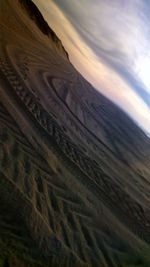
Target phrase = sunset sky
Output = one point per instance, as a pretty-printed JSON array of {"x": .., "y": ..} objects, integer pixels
[{"x": 108, "y": 42}]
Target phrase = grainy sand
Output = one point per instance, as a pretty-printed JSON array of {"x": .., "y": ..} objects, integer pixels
[{"x": 74, "y": 169}]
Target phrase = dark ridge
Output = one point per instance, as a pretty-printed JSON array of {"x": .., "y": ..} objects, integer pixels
[{"x": 37, "y": 17}]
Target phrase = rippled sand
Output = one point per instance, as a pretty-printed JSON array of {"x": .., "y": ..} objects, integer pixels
[{"x": 74, "y": 169}]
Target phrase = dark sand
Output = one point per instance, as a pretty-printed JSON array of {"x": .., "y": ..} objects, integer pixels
[{"x": 74, "y": 169}]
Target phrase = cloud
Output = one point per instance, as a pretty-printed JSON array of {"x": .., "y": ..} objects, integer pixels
[
  {"x": 117, "y": 31},
  {"x": 107, "y": 43}
]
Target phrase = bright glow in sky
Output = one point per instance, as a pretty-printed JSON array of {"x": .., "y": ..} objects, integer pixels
[
  {"x": 143, "y": 70},
  {"x": 108, "y": 42}
]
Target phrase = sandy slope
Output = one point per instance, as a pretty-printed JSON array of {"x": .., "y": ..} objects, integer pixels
[{"x": 75, "y": 177}]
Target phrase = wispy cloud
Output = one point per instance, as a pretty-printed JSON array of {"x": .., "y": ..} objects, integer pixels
[{"x": 108, "y": 42}]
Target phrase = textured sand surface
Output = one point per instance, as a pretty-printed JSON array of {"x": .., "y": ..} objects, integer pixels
[{"x": 74, "y": 169}]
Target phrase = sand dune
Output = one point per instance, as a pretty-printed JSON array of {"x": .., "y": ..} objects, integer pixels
[{"x": 75, "y": 177}]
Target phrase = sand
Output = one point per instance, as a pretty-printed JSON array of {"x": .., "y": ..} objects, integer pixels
[{"x": 74, "y": 169}]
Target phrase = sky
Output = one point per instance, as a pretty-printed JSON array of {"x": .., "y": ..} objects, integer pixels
[{"x": 108, "y": 42}]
